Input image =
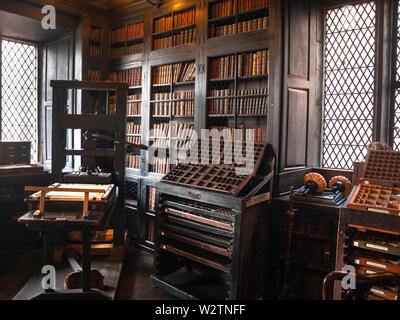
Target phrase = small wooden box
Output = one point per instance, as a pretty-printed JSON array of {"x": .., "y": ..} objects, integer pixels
[
  {"x": 15, "y": 152},
  {"x": 379, "y": 187}
]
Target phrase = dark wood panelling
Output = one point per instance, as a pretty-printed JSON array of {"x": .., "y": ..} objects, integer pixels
[
  {"x": 58, "y": 65},
  {"x": 297, "y": 113},
  {"x": 300, "y": 115},
  {"x": 299, "y": 34}
]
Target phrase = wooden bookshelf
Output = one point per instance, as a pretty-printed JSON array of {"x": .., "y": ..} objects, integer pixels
[
  {"x": 172, "y": 110},
  {"x": 228, "y": 17},
  {"x": 157, "y": 102},
  {"x": 132, "y": 76},
  {"x": 238, "y": 92},
  {"x": 174, "y": 29},
  {"x": 126, "y": 40},
  {"x": 95, "y": 41}
]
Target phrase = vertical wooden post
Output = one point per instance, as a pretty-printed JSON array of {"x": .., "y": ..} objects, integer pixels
[
  {"x": 58, "y": 159},
  {"x": 86, "y": 279},
  {"x": 86, "y": 204},
  {"x": 119, "y": 164}
]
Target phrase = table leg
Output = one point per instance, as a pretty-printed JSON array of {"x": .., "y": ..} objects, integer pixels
[
  {"x": 48, "y": 248},
  {"x": 86, "y": 280},
  {"x": 48, "y": 251}
]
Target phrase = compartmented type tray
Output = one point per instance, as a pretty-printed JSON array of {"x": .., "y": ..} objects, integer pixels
[
  {"x": 379, "y": 188},
  {"x": 213, "y": 174}
]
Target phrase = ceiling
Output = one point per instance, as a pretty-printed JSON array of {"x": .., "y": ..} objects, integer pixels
[
  {"x": 108, "y": 4},
  {"x": 20, "y": 27}
]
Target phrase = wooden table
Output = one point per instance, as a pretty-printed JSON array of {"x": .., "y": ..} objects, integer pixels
[{"x": 95, "y": 221}]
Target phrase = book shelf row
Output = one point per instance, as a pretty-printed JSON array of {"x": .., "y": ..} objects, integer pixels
[
  {"x": 178, "y": 20},
  {"x": 94, "y": 51},
  {"x": 182, "y": 72},
  {"x": 233, "y": 28},
  {"x": 133, "y": 128},
  {"x": 134, "y": 108},
  {"x": 178, "y": 108},
  {"x": 132, "y": 139},
  {"x": 95, "y": 34},
  {"x": 253, "y": 64},
  {"x": 131, "y": 76},
  {"x": 161, "y": 165},
  {"x": 162, "y": 132},
  {"x": 128, "y": 32},
  {"x": 258, "y": 133},
  {"x": 174, "y": 95},
  {"x": 181, "y": 38},
  {"x": 94, "y": 75},
  {"x": 119, "y": 52},
  {"x": 151, "y": 200},
  {"x": 226, "y": 8},
  {"x": 133, "y": 161}
]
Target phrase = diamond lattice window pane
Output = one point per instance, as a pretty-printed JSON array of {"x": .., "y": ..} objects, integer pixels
[
  {"x": 19, "y": 93},
  {"x": 349, "y": 81}
]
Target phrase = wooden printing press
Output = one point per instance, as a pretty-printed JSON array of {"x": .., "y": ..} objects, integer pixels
[
  {"x": 87, "y": 201},
  {"x": 212, "y": 228}
]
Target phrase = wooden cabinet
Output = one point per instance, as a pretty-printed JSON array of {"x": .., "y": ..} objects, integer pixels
[{"x": 313, "y": 250}]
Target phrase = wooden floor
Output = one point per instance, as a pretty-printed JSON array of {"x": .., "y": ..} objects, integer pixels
[{"x": 134, "y": 283}]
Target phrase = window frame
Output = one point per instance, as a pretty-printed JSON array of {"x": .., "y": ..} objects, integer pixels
[
  {"x": 383, "y": 101},
  {"x": 38, "y": 46}
]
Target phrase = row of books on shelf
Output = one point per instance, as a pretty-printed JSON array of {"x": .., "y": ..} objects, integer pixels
[
  {"x": 248, "y": 5},
  {"x": 136, "y": 140},
  {"x": 173, "y": 96},
  {"x": 162, "y": 24},
  {"x": 229, "y": 7},
  {"x": 120, "y": 52},
  {"x": 163, "y": 43},
  {"x": 222, "y": 67},
  {"x": 181, "y": 19},
  {"x": 131, "y": 76},
  {"x": 133, "y": 108},
  {"x": 257, "y": 132},
  {"x": 161, "y": 165},
  {"x": 221, "y": 106},
  {"x": 133, "y": 128},
  {"x": 133, "y": 161},
  {"x": 128, "y": 32},
  {"x": 222, "y": 92},
  {"x": 183, "y": 72},
  {"x": 94, "y": 75},
  {"x": 185, "y": 18},
  {"x": 135, "y": 96},
  {"x": 240, "y": 27},
  {"x": 151, "y": 204},
  {"x": 162, "y": 132},
  {"x": 244, "y": 92},
  {"x": 253, "y": 64},
  {"x": 94, "y": 51},
  {"x": 183, "y": 37},
  {"x": 178, "y": 108},
  {"x": 95, "y": 34},
  {"x": 222, "y": 8},
  {"x": 252, "y": 106}
]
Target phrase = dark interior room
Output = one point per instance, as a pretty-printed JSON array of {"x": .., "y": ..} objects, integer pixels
[{"x": 199, "y": 150}]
